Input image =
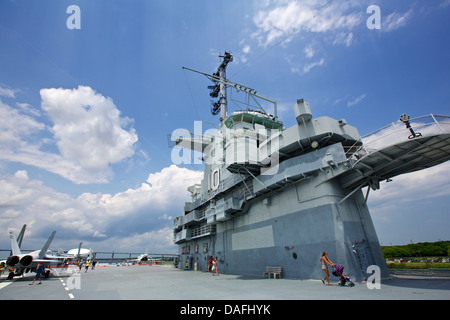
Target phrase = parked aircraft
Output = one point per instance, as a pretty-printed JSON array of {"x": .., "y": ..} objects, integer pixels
[
  {"x": 18, "y": 263},
  {"x": 143, "y": 258},
  {"x": 80, "y": 252}
]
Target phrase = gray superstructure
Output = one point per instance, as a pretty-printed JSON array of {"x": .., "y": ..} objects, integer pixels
[{"x": 275, "y": 196}]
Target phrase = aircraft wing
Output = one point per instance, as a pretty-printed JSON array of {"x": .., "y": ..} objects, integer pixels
[
  {"x": 57, "y": 257},
  {"x": 45, "y": 261}
]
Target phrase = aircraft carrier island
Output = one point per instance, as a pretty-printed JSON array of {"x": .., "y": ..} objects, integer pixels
[{"x": 275, "y": 196}]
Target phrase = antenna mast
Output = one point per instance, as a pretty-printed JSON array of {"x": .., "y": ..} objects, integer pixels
[{"x": 220, "y": 87}]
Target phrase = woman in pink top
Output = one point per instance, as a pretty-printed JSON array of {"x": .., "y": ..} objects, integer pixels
[{"x": 325, "y": 260}]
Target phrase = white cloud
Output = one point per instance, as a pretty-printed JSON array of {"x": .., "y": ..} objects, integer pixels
[
  {"x": 245, "y": 51},
  {"x": 297, "y": 67},
  {"x": 349, "y": 40},
  {"x": 28, "y": 109},
  {"x": 395, "y": 21},
  {"x": 280, "y": 21},
  {"x": 87, "y": 131},
  {"x": 409, "y": 187},
  {"x": 140, "y": 214},
  {"x": 311, "y": 65},
  {"x": 39, "y": 207},
  {"x": 88, "y": 127},
  {"x": 356, "y": 100},
  {"x": 7, "y": 92},
  {"x": 286, "y": 18},
  {"x": 160, "y": 190},
  {"x": 309, "y": 51},
  {"x": 157, "y": 241},
  {"x": 344, "y": 38},
  {"x": 15, "y": 126}
]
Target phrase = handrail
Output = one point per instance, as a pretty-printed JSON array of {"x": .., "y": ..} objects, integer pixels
[{"x": 397, "y": 132}]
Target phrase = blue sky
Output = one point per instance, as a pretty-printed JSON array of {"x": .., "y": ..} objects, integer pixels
[{"x": 85, "y": 113}]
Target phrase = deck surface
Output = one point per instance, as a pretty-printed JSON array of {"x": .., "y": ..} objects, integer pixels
[{"x": 168, "y": 283}]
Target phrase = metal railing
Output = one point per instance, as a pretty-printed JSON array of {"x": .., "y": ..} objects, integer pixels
[
  {"x": 397, "y": 132},
  {"x": 104, "y": 255},
  {"x": 188, "y": 234},
  {"x": 203, "y": 230}
]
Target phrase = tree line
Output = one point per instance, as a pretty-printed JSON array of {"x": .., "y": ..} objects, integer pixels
[{"x": 421, "y": 249}]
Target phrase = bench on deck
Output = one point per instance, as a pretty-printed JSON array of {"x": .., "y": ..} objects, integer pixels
[{"x": 272, "y": 270}]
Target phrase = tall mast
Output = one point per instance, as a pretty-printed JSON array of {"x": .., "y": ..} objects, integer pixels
[
  {"x": 218, "y": 90},
  {"x": 223, "y": 92},
  {"x": 221, "y": 72}
]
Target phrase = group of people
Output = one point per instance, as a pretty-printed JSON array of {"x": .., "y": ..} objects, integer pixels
[
  {"x": 212, "y": 265},
  {"x": 87, "y": 264},
  {"x": 40, "y": 269}
]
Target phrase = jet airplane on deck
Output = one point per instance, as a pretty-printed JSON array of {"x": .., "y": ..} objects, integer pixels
[{"x": 19, "y": 263}]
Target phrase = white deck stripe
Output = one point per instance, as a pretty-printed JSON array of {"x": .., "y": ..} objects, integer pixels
[{"x": 4, "y": 284}]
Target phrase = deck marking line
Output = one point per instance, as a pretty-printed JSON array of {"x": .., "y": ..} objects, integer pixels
[{"x": 4, "y": 284}]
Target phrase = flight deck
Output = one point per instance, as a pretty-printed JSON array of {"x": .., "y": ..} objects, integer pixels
[{"x": 144, "y": 282}]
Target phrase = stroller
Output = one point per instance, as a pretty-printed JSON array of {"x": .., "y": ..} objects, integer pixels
[{"x": 338, "y": 272}]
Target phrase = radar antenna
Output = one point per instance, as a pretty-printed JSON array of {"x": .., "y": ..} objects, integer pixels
[{"x": 219, "y": 89}]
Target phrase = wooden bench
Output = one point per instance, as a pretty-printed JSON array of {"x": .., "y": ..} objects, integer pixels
[{"x": 272, "y": 270}]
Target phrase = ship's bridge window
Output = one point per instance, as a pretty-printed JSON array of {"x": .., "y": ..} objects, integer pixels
[{"x": 253, "y": 119}]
